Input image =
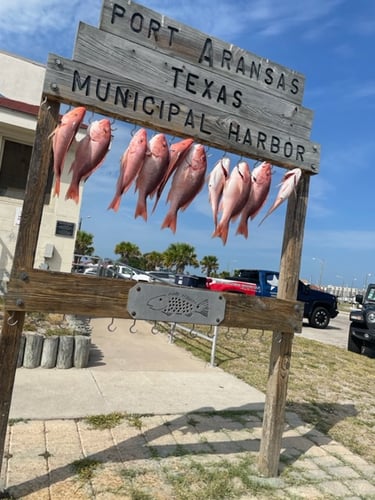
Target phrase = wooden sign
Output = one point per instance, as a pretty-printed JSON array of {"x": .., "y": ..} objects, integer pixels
[
  {"x": 134, "y": 101},
  {"x": 164, "y": 35},
  {"x": 149, "y": 70},
  {"x": 180, "y": 78}
]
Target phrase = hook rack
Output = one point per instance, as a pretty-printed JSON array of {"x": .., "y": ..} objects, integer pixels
[
  {"x": 110, "y": 327},
  {"x": 10, "y": 320},
  {"x": 132, "y": 328}
]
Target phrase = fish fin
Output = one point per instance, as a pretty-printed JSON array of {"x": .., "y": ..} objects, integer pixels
[
  {"x": 115, "y": 203},
  {"x": 73, "y": 192},
  {"x": 221, "y": 231},
  {"x": 57, "y": 187},
  {"x": 141, "y": 209},
  {"x": 276, "y": 204},
  {"x": 170, "y": 221},
  {"x": 243, "y": 229},
  {"x": 53, "y": 132}
]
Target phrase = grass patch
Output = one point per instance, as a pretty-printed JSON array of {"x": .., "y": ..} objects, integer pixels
[
  {"x": 14, "y": 421},
  {"x": 134, "y": 420},
  {"x": 85, "y": 469},
  {"x": 105, "y": 421},
  {"x": 223, "y": 480},
  {"x": 329, "y": 387}
]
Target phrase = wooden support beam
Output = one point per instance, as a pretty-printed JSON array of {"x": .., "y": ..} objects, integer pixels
[
  {"x": 24, "y": 255},
  {"x": 55, "y": 292},
  {"x": 274, "y": 411}
]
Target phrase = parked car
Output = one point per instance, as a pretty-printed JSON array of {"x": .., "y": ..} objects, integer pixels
[
  {"x": 162, "y": 276},
  {"x": 319, "y": 306},
  {"x": 129, "y": 272},
  {"x": 361, "y": 338}
]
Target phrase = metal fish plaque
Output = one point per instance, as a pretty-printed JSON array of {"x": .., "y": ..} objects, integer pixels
[{"x": 175, "y": 304}]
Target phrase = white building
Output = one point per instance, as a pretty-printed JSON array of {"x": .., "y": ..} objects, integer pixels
[{"x": 21, "y": 83}]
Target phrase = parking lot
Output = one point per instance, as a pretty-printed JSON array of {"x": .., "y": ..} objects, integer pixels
[{"x": 335, "y": 334}]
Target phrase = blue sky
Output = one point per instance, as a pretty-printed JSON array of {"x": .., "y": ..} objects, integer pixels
[{"x": 330, "y": 42}]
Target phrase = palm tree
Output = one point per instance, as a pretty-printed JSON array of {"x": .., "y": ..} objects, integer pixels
[
  {"x": 83, "y": 244},
  {"x": 153, "y": 260},
  {"x": 180, "y": 255},
  {"x": 209, "y": 265},
  {"x": 127, "y": 251}
]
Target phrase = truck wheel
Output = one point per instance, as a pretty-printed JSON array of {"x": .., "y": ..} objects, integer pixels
[
  {"x": 319, "y": 318},
  {"x": 354, "y": 345}
]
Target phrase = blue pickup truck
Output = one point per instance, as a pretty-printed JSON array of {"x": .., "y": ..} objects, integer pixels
[{"x": 319, "y": 308}]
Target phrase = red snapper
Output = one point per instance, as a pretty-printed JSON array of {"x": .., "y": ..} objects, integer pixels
[
  {"x": 90, "y": 154},
  {"x": 187, "y": 182}
]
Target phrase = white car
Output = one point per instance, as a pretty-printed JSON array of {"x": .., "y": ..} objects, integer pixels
[{"x": 129, "y": 273}]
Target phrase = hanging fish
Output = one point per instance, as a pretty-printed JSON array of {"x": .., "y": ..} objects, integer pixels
[
  {"x": 260, "y": 187},
  {"x": 130, "y": 165},
  {"x": 216, "y": 181},
  {"x": 62, "y": 138},
  {"x": 187, "y": 182},
  {"x": 151, "y": 173},
  {"x": 177, "y": 153},
  {"x": 90, "y": 154},
  {"x": 235, "y": 194},
  {"x": 287, "y": 186}
]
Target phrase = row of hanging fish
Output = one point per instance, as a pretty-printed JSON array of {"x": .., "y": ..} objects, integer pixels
[
  {"x": 242, "y": 194},
  {"x": 150, "y": 164}
]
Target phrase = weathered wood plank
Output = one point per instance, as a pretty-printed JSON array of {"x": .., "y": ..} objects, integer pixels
[
  {"x": 36, "y": 186},
  {"x": 78, "y": 84},
  {"x": 281, "y": 351},
  {"x": 165, "y": 35},
  {"x": 181, "y": 79},
  {"x": 10, "y": 338},
  {"x": 48, "y": 291}
]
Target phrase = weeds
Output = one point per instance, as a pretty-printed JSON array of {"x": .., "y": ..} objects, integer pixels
[
  {"x": 85, "y": 469},
  {"x": 105, "y": 421},
  {"x": 329, "y": 387}
]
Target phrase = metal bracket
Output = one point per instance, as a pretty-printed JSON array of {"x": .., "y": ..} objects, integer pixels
[{"x": 155, "y": 302}]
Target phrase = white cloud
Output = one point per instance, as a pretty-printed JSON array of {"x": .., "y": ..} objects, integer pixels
[{"x": 34, "y": 16}]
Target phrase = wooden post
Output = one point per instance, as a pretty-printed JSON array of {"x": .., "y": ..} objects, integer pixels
[
  {"x": 274, "y": 410},
  {"x": 24, "y": 254}
]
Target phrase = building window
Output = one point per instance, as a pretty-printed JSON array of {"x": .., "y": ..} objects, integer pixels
[{"x": 14, "y": 169}]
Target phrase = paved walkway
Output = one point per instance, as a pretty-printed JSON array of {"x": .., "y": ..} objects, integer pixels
[{"x": 192, "y": 416}]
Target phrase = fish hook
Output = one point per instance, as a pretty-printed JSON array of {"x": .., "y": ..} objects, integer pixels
[
  {"x": 10, "y": 320},
  {"x": 132, "y": 133},
  {"x": 110, "y": 326},
  {"x": 132, "y": 328},
  {"x": 44, "y": 101},
  {"x": 192, "y": 333},
  {"x": 154, "y": 329}
]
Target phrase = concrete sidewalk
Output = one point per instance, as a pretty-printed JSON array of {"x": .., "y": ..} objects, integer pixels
[
  {"x": 178, "y": 431},
  {"x": 129, "y": 372}
]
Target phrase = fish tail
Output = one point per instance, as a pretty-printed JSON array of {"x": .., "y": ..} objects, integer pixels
[
  {"x": 170, "y": 221},
  {"x": 243, "y": 229},
  {"x": 73, "y": 192},
  {"x": 141, "y": 209},
  {"x": 221, "y": 232},
  {"x": 115, "y": 203},
  {"x": 57, "y": 187}
]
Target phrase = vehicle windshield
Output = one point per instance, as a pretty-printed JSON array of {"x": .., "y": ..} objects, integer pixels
[{"x": 371, "y": 294}]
